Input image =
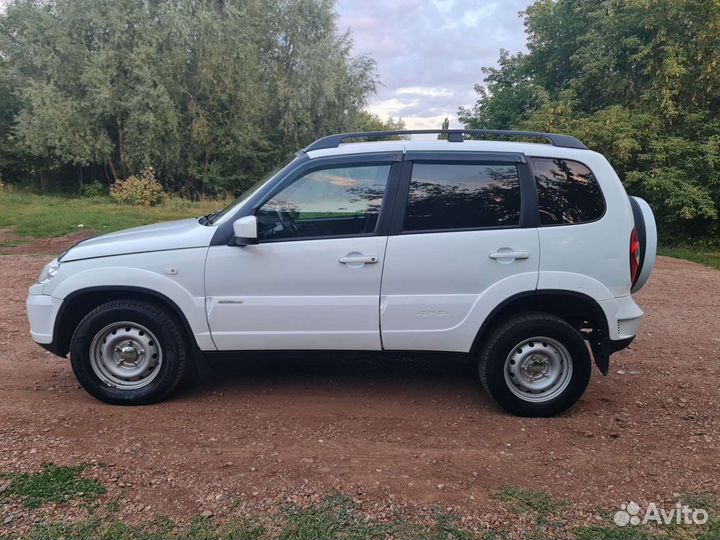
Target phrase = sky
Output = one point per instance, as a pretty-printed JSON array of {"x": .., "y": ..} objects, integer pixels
[{"x": 429, "y": 53}]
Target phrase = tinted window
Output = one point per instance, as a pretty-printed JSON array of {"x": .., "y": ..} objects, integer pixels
[
  {"x": 567, "y": 192},
  {"x": 329, "y": 202},
  {"x": 460, "y": 196}
]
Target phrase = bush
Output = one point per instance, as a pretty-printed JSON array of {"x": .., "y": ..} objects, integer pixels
[
  {"x": 180, "y": 204},
  {"x": 96, "y": 189},
  {"x": 142, "y": 190}
]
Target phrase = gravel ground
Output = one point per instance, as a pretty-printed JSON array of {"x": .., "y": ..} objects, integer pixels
[{"x": 405, "y": 435}]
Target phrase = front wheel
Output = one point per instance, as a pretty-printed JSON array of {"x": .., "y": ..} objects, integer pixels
[
  {"x": 129, "y": 352},
  {"x": 535, "y": 365}
]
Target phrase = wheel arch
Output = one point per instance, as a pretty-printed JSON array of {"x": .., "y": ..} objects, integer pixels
[
  {"x": 79, "y": 303},
  {"x": 578, "y": 309}
]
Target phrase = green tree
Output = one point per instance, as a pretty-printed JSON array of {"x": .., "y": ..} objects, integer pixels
[
  {"x": 635, "y": 80},
  {"x": 210, "y": 94},
  {"x": 366, "y": 121},
  {"x": 13, "y": 161},
  {"x": 507, "y": 98}
]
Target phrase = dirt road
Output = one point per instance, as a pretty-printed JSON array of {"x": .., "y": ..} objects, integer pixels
[{"x": 410, "y": 434}]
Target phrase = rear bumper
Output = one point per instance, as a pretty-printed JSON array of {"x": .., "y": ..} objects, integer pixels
[{"x": 623, "y": 316}]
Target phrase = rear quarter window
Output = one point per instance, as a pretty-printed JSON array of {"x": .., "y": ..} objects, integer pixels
[{"x": 568, "y": 192}]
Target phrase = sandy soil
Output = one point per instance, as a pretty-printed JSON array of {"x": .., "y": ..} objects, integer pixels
[{"x": 408, "y": 434}]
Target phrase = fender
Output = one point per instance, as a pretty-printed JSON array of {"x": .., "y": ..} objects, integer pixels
[
  {"x": 114, "y": 289},
  {"x": 184, "y": 289},
  {"x": 539, "y": 294},
  {"x": 573, "y": 282},
  {"x": 559, "y": 302}
]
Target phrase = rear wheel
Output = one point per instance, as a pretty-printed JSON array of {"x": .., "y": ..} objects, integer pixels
[
  {"x": 535, "y": 365},
  {"x": 129, "y": 352}
]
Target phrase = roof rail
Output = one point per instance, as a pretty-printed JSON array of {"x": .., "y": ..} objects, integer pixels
[{"x": 454, "y": 135}]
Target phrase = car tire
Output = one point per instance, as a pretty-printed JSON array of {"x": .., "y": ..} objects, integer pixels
[
  {"x": 535, "y": 364},
  {"x": 130, "y": 352}
]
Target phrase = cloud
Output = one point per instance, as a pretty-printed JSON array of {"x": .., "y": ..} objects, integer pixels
[
  {"x": 391, "y": 107},
  {"x": 473, "y": 17},
  {"x": 424, "y": 91},
  {"x": 430, "y": 52},
  {"x": 444, "y": 6}
]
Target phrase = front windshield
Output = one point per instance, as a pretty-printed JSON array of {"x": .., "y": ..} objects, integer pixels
[{"x": 216, "y": 217}]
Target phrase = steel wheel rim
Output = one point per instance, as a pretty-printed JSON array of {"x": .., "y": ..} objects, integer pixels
[
  {"x": 126, "y": 355},
  {"x": 538, "y": 369}
]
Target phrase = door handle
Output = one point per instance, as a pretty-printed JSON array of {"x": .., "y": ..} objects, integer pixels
[
  {"x": 509, "y": 255},
  {"x": 358, "y": 259}
]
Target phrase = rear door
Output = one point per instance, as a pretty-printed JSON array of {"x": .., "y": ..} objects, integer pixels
[{"x": 463, "y": 239}]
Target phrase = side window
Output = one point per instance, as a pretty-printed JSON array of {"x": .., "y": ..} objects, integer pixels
[
  {"x": 462, "y": 196},
  {"x": 568, "y": 192},
  {"x": 328, "y": 202}
]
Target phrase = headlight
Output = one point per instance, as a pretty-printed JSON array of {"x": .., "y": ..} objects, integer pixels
[{"x": 49, "y": 271}]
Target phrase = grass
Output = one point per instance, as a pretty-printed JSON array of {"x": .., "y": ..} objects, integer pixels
[
  {"x": 335, "y": 516},
  {"x": 45, "y": 216},
  {"x": 52, "y": 484},
  {"x": 673, "y": 531},
  {"x": 548, "y": 513},
  {"x": 529, "y": 500},
  {"x": 536, "y": 503},
  {"x": 162, "y": 529},
  {"x": 98, "y": 529},
  {"x": 610, "y": 532},
  {"x": 705, "y": 256},
  {"x": 338, "y": 517}
]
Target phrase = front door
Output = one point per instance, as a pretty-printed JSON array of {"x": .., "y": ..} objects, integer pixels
[{"x": 313, "y": 280}]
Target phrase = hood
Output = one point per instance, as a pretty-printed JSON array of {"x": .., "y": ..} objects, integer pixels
[{"x": 181, "y": 234}]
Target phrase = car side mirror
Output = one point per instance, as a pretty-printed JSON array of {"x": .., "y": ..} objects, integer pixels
[{"x": 244, "y": 231}]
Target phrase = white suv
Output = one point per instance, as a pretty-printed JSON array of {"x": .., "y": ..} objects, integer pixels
[{"x": 520, "y": 256}]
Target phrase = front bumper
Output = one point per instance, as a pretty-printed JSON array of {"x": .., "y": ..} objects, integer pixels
[{"x": 42, "y": 310}]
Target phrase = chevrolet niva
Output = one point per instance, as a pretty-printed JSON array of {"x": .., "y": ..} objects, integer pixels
[{"x": 519, "y": 256}]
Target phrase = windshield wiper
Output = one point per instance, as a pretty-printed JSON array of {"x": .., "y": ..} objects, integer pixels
[{"x": 207, "y": 219}]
